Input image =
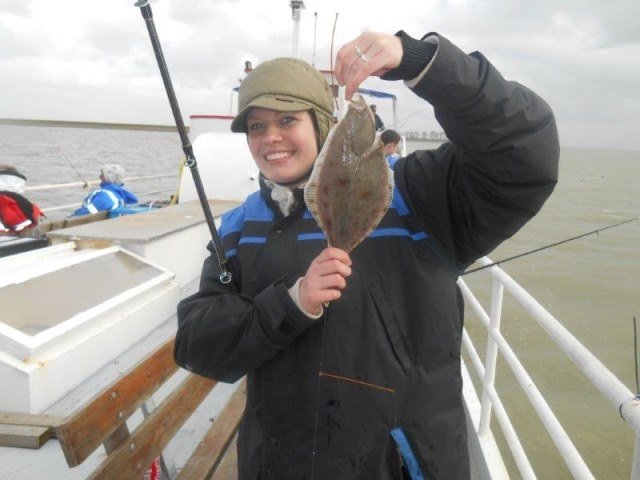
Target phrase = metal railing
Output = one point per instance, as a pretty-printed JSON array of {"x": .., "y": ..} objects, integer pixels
[
  {"x": 92, "y": 183},
  {"x": 618, "y": 395}
]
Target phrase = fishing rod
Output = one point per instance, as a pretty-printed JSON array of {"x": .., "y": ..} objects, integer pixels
[
  {"x": 508, "y": 259},
  {"x": 147, "y": 14},
  {"x": 85, "y": 184}
]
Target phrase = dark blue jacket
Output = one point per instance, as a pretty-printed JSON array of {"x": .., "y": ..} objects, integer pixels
[
  {"x": 324, "y": 395},
  {"x": 108, "y": 197}
]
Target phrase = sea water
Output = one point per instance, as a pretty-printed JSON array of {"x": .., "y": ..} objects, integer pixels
[
  {"x": 54, "y": 155},
  {"x": 591, "y": 285}
]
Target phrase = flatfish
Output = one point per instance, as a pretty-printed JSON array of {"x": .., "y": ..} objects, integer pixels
[{"x": 351, "y": 184}]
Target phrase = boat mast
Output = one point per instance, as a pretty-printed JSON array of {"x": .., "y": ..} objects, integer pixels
[{"x": 296, "y": 6}]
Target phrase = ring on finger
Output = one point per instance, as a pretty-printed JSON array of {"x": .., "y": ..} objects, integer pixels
[
  {"x": 364, "y": 58},
  {"x": 359, "y": 51}
]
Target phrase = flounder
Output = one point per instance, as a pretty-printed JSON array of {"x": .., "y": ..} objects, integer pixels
[{"x": 351, "y": 184}]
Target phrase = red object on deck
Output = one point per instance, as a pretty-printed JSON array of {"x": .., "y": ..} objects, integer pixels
[{"x": 153, "y": 472}]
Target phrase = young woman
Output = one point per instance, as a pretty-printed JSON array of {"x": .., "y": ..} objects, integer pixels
[{"x": 353, "y": 361}]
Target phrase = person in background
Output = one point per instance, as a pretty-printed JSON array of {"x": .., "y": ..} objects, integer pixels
[
  {"x": 376, "y": 117},
  {"x": 110, "y": 195},
  {"x": 391, "y": 139},
  {"x": 16, "y": 212},
  {"x": 353, "y": 359}
]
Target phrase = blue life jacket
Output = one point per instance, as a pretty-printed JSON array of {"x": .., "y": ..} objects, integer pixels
[{"x": 108, "y": 197}]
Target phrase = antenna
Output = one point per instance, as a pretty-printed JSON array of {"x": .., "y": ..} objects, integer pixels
[
  {"x": 635, "y": 353},
  {"x": 296, "y": 6},
  {"x": 315, "y": 29},
  {"x": 339, "y": 92}
]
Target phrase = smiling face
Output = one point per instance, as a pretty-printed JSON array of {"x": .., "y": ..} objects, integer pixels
[{"x": 283, "y": 144}]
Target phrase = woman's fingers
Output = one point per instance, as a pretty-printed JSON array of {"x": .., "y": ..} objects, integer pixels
[
  {"x": 326, "y": 282},
  {"x": 329, "y": 267},
  {"x": 324, "y": 279},
  {"x": 332, "y": 253},
  {"x": 371, "y": 54}
]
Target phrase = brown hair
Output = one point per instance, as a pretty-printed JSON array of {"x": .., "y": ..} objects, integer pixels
[{"x": 390, "y": 136}]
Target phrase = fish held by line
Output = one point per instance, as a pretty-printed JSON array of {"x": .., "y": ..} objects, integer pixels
[{"x": 351, "y": 186}]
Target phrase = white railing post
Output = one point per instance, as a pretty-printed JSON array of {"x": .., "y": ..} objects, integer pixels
[
  {"x": 624, "y": 401},
  {"x": 490, "y": 358},
  {"x": 635, "y": 468}
]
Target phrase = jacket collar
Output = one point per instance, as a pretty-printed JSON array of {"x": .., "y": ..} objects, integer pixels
[{"x": 284, "y": 201}]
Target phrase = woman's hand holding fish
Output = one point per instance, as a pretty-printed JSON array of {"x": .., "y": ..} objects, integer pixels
[
  {"x": 324, "y": 279},
  {"x": 370, "y": 54}
]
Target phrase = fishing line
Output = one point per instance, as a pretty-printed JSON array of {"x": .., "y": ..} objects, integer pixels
[
  {"x": 404, "y": 120},
  {"x": 315, "y": 36},
  {"x": 66, "y": 157},
  {"x": 635, "y": 354},
  {"x": 356, "y": 381},
  {"x": 315, "y": 423},
  {"x": 333, "y": 78},
  {"x": 508, "y": 259},
  {"x": 322, "y": 374}
]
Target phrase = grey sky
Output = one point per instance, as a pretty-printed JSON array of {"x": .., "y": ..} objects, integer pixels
[{"x": 92, "y": 61}]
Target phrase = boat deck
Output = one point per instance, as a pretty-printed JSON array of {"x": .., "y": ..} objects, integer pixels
[{"x": 142, "y": 228}]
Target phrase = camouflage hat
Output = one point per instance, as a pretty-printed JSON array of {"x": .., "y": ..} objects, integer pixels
[{"x": 286, "y": 85}]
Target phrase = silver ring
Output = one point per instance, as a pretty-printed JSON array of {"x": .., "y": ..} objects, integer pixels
[{"x": 361, "y": 54}]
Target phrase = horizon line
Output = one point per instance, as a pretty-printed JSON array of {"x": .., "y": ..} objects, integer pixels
[{"x": 78, "y": 124}]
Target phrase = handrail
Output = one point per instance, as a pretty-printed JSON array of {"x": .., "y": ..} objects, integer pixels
[
  {"x": 516, "y": 448},
  {"x": 607, "y": 383},
  {"x": 93, "y": 182},
  {"x": 77, "y": 204},
  {"x": 552, "y": 424}
]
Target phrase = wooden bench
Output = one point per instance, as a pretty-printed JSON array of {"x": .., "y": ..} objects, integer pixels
[
  {"x": 102, "y": 421},
  {"x": 49, "y": 225}
]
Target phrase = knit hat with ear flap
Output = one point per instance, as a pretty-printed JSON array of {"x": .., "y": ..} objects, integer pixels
[
  {"x": 113, "y": 173},
  {"x": 286, "y": 85}
]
